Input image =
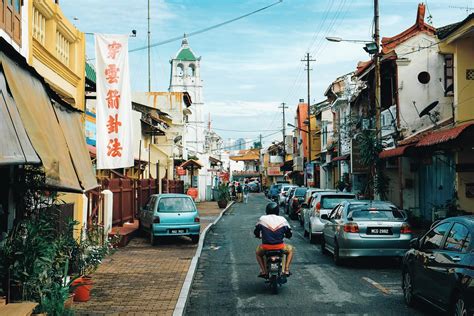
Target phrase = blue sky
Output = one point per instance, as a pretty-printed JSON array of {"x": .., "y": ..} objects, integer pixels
[{"x": 250, "y": 66}]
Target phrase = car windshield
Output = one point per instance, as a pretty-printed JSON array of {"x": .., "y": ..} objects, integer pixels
[
  {"x": 176, "y": 205},
  {"x": 368, "y": 213},
  {"x": 330, "y": 201},
  {"x": 300, "y": 191},
  {"x": 285, "y": 189}
]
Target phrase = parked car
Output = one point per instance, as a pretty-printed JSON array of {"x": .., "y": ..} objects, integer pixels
[
  {"x": 289, "y": 196},
  {"x": 295, "y": 201},
  {"x": 283, "y": 192},
  {"x": 274, "y": 191},
  {"x": 254, "y": 186},
  {"x": 365, "y": 229},
  {"x": 322, "y": 204},
  {"x": 440, "y": 266},
  {"x": 170, "y": 215},
  {"x": 304, "y": 207}
]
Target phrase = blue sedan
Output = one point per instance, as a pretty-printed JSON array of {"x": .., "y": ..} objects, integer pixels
[{"x": 170, "y": 215}]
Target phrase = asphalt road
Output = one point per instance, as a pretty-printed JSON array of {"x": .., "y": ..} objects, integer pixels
[{"x": 226, "y": 280}]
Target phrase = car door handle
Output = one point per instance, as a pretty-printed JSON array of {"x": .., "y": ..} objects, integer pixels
[
  {"x": 456, "y": 259},
  {"x": 431, "y": 257}
]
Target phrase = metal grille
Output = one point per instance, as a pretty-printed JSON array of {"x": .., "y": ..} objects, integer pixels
[{"x": 469, "y": 74}]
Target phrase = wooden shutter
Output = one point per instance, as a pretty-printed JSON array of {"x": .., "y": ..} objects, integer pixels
[{"x": 16, "y": 23}]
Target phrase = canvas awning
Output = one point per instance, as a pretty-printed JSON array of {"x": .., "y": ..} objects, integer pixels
[
  {"x": 65, "y": 159},
  {"x": 15, "y": 146},
  {"x": 70, "y": 123}
]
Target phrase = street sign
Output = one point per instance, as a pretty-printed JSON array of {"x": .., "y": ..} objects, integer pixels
[{"x": 274, "y": 171}]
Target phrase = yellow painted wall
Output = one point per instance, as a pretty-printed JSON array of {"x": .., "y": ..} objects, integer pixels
[
  {"x": 68, "y": 80},
  {"x": 461, "y": 45},
  {"x": 78, "y": 202}
]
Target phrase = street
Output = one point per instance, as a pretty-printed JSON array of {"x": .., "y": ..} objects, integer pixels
[{"x": 226, "y": 279}]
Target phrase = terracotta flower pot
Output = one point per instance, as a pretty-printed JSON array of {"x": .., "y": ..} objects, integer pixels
[
  {"x": 82, "y": 287},
  {"x": 222, "y": 203}
]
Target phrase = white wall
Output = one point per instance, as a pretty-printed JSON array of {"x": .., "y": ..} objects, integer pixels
[{"x": 410, "y": 63}]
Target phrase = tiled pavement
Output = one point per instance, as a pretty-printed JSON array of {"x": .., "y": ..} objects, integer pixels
[{"x": 144, "y": 280}]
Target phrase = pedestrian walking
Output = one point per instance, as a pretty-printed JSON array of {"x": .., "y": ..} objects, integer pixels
[
  {"x": 233, "y": 192},
  {"x": 239, "y": 192},
  {"x": 246, "y": 193}
]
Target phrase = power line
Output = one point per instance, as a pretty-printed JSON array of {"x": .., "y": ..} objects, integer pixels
[{"x": 177, "y": 38}]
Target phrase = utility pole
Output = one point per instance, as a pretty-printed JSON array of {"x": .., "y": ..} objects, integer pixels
[
  {"x": 283, "y": 107},
  {"x": 261, "y": 145},
  {"x": 149, "y": 60},
  {"x": 308, "y": 69},
  {"x": 378, "y": 131}
]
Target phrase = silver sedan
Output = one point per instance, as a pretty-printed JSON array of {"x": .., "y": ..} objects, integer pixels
[{"x": 365, "y": 229}]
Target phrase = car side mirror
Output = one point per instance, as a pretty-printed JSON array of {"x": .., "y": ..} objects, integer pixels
[
  {"x": 325, "y": 216},
  {"x": 304, "y": 205},
  {"x": 415, "y": 243}
]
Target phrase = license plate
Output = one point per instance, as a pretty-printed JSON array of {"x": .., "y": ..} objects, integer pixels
[
  {"x": 177, "y": 231},
  {"x": 379, "y": 231},
  {"x": 274, "y": 266}
]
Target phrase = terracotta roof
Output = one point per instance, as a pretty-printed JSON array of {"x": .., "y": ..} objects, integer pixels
[
  {"x": 247, "y": 155},
  {"x": 394, "y": 152},
  {"x": 443, "y": 136},
  {"x": 362, "y": 66},
  {"x": 415, "y": 138},
  {"x": 389, "y": 43}
]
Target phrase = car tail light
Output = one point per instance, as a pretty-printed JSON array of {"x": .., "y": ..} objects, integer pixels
[
  {"x": 156, "y": 220},
  {"x": 318, "y": 206},
  {"x": 405, "y": 229},
  {"x": 197, "y": 219},
  {"x": 351, "y": 228}
]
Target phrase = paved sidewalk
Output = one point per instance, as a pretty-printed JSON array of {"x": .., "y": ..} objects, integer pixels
[{"x": 144, "y": 280}]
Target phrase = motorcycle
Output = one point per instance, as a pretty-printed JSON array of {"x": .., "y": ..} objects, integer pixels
[{"x": 274, "y": 263}]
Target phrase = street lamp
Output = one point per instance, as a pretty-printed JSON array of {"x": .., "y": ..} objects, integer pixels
[
  {"x": 291, "y": 125},
  {"x": 370, "y": 46}
]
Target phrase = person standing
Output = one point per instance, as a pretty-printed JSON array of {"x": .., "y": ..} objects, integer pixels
[
  {"x": 246, "y": 193},
  {"x": 239, "y": 192}
]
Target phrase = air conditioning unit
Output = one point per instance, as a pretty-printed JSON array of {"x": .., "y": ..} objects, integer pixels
[{"x": 298, "y": 163}]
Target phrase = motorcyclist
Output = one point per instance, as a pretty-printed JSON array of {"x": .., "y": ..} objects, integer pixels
[{"x": 272, "y": 228}]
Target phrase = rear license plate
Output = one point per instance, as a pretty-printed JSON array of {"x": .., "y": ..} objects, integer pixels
[
  {"x": 379, "y": 231},
  {"x": 177, "y": 231},
  {"x": 274, "y": 266}
]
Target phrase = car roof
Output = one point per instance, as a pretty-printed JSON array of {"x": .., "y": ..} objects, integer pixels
[
  {"x": 334, "y": 193},
  {"x": 168, "y": 195},
  {"x": 466, "y": 219},
  {"x": 371, "y": 203}
]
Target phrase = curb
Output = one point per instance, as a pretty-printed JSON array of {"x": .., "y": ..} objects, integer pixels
[{"x": 183, "y": 295}]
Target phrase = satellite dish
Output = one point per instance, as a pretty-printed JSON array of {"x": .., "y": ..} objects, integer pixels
[{"x": 427, "y": 110}]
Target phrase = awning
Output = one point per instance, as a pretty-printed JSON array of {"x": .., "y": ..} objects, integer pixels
[
  {"x": 395, "y": 152},
  {"x": 70, "y": 123},
  {"x": 45, "y": 132},
  {"x": 341, "y": 158},
  {"x": 440, "y": 137},
  {"x": 15, "y": 146}
]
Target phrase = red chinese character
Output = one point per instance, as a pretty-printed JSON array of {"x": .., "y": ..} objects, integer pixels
[
  {"x": 114, "y": 148},
  {"x": 111, "y": 73},
  {"x": 113, "y": 124},
  {"x": 114, "y": 49},
  {"x": 113, "y": 99}
]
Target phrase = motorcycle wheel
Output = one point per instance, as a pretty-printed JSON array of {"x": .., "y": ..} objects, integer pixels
[{"x": 274, "y": 284}]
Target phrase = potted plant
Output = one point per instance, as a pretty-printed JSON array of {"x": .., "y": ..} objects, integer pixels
[{"x": 223, "y": 195}]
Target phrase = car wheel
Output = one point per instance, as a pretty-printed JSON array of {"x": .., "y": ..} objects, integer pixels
[
  {"x": 337, "y": 259},
  {"x": 407, "y": 286},
  {"x": 195, "y": 239},
  {"x": 312, "y": 238},
  {"x": 152, "y": 239},
  {"x": 459, "y": 307},
  {"x": 323, "y": 245}
]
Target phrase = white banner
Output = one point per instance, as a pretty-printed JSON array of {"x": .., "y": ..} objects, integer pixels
[{"x": 114, "y": 102}]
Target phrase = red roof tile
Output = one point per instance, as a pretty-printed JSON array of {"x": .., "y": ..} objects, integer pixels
[
  {"x": 389, "y": 43},
  {"x": 394, "y": 152},
  {"x": 443, "y": 136}
]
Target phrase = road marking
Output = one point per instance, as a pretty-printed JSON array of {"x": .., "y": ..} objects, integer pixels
[{"x": 377, "y": 285}]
